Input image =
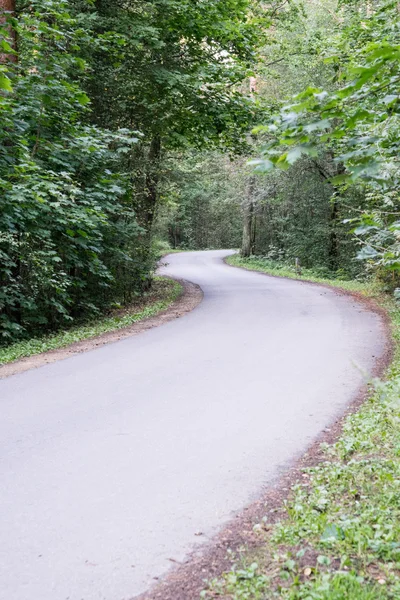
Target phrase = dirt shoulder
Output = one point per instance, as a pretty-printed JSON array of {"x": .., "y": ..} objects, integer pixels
[{"x": 189, "y": 298}]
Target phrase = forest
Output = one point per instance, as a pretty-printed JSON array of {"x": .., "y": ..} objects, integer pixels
[
  {"x": 173, "y": 427},
  {"x": 132, "y": 128}
]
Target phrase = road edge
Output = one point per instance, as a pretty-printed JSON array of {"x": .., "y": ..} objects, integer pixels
[
  {"x": 188, "y": 300},
  {"x": 369, "y": 303},
  {"x": 188, "y": 579}
]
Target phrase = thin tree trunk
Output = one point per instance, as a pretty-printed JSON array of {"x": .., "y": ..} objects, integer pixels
[
  {"x": 333, "y": 248},
  {"x": 150, "y": 197},
  {"x": 333, "y": 239},
  {"x": 151, "y": 186},
  {"x": 248, "y": 221},
  {"x": 253, "y": 232}
]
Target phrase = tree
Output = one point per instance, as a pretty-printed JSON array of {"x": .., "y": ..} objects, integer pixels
[
  {"x": 101, "y": 93},
  {"x": 7, "y": 35},
  {"x": 359, "y": 121},
  {"x": 176, "y": 76},
  {"x": 200, "y": 200},
  {"x": 65, "y": 233},
  {"x": 290, "y": 58},
  {"x": 248, "y": 238}
]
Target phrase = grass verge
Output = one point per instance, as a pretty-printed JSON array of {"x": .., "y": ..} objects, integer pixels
[
  {"x": 369, "y": 289},
  {"x": 162, "y": 294},
  {"x": 338, "y": 535}
]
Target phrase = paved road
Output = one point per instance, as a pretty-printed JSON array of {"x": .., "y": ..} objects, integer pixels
[{"x": 113, "y": 460}]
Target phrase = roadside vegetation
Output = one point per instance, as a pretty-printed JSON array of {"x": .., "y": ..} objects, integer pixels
[
  {"x": 163, "y": 293},
  {"x": 338, "y": 536},
  {"x": 370, "y": 288}
]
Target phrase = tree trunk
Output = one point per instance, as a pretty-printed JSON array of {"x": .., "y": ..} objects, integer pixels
[
  {"x": 151, "y": 184},
  {"x": 8, "y": 6},
  {"x": 253, "y": 232},
  {"x": 333, "y": 248},
  {"x": 333, "y": 239},
  {"x": 248, "y": 238},
  {"x": 334, "y": 242}
]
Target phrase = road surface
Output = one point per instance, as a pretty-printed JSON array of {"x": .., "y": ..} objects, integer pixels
[{"x": 112, "y": 461}]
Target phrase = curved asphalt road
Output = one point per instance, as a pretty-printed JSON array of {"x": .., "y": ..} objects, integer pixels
[{"x": 111, "y": 461}]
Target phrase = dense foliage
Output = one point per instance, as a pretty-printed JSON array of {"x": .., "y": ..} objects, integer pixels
[
  {"x": 327, "y": 186},
  {"x": 356, "y": 122},
  {"x": 201, "y": 196},
  {"x": 93, "y": 94},
  {"x": 121, "y": 121},
  {"x": 66, "y": 231}
]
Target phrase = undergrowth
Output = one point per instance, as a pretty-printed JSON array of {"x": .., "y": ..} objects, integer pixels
[
  {"x": 339, "y": 537},
  {"x": 162, "y": 295},
  {"x": 366, "y": 287}
]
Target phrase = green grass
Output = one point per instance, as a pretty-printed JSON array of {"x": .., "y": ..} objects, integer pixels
[
  {"x": 339, "y": 536},
  {"x": 164, "y": 293},
  {"x": 367, "y": 288}
]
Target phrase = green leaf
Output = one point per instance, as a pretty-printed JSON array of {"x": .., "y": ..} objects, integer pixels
[
  {"x": 294, "y": 155},
  {"x": 366, "y": 253},
  {"x": 318, "y": 125},
  {"x": 5, "y": 83},
  {"x": 261, "y": 165},
  {"x": 6, "y": 48},
  {"x": 332, "y": 532},
  {"x": 83, "y": 99},
  {"x": 323, "y": 560}
]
